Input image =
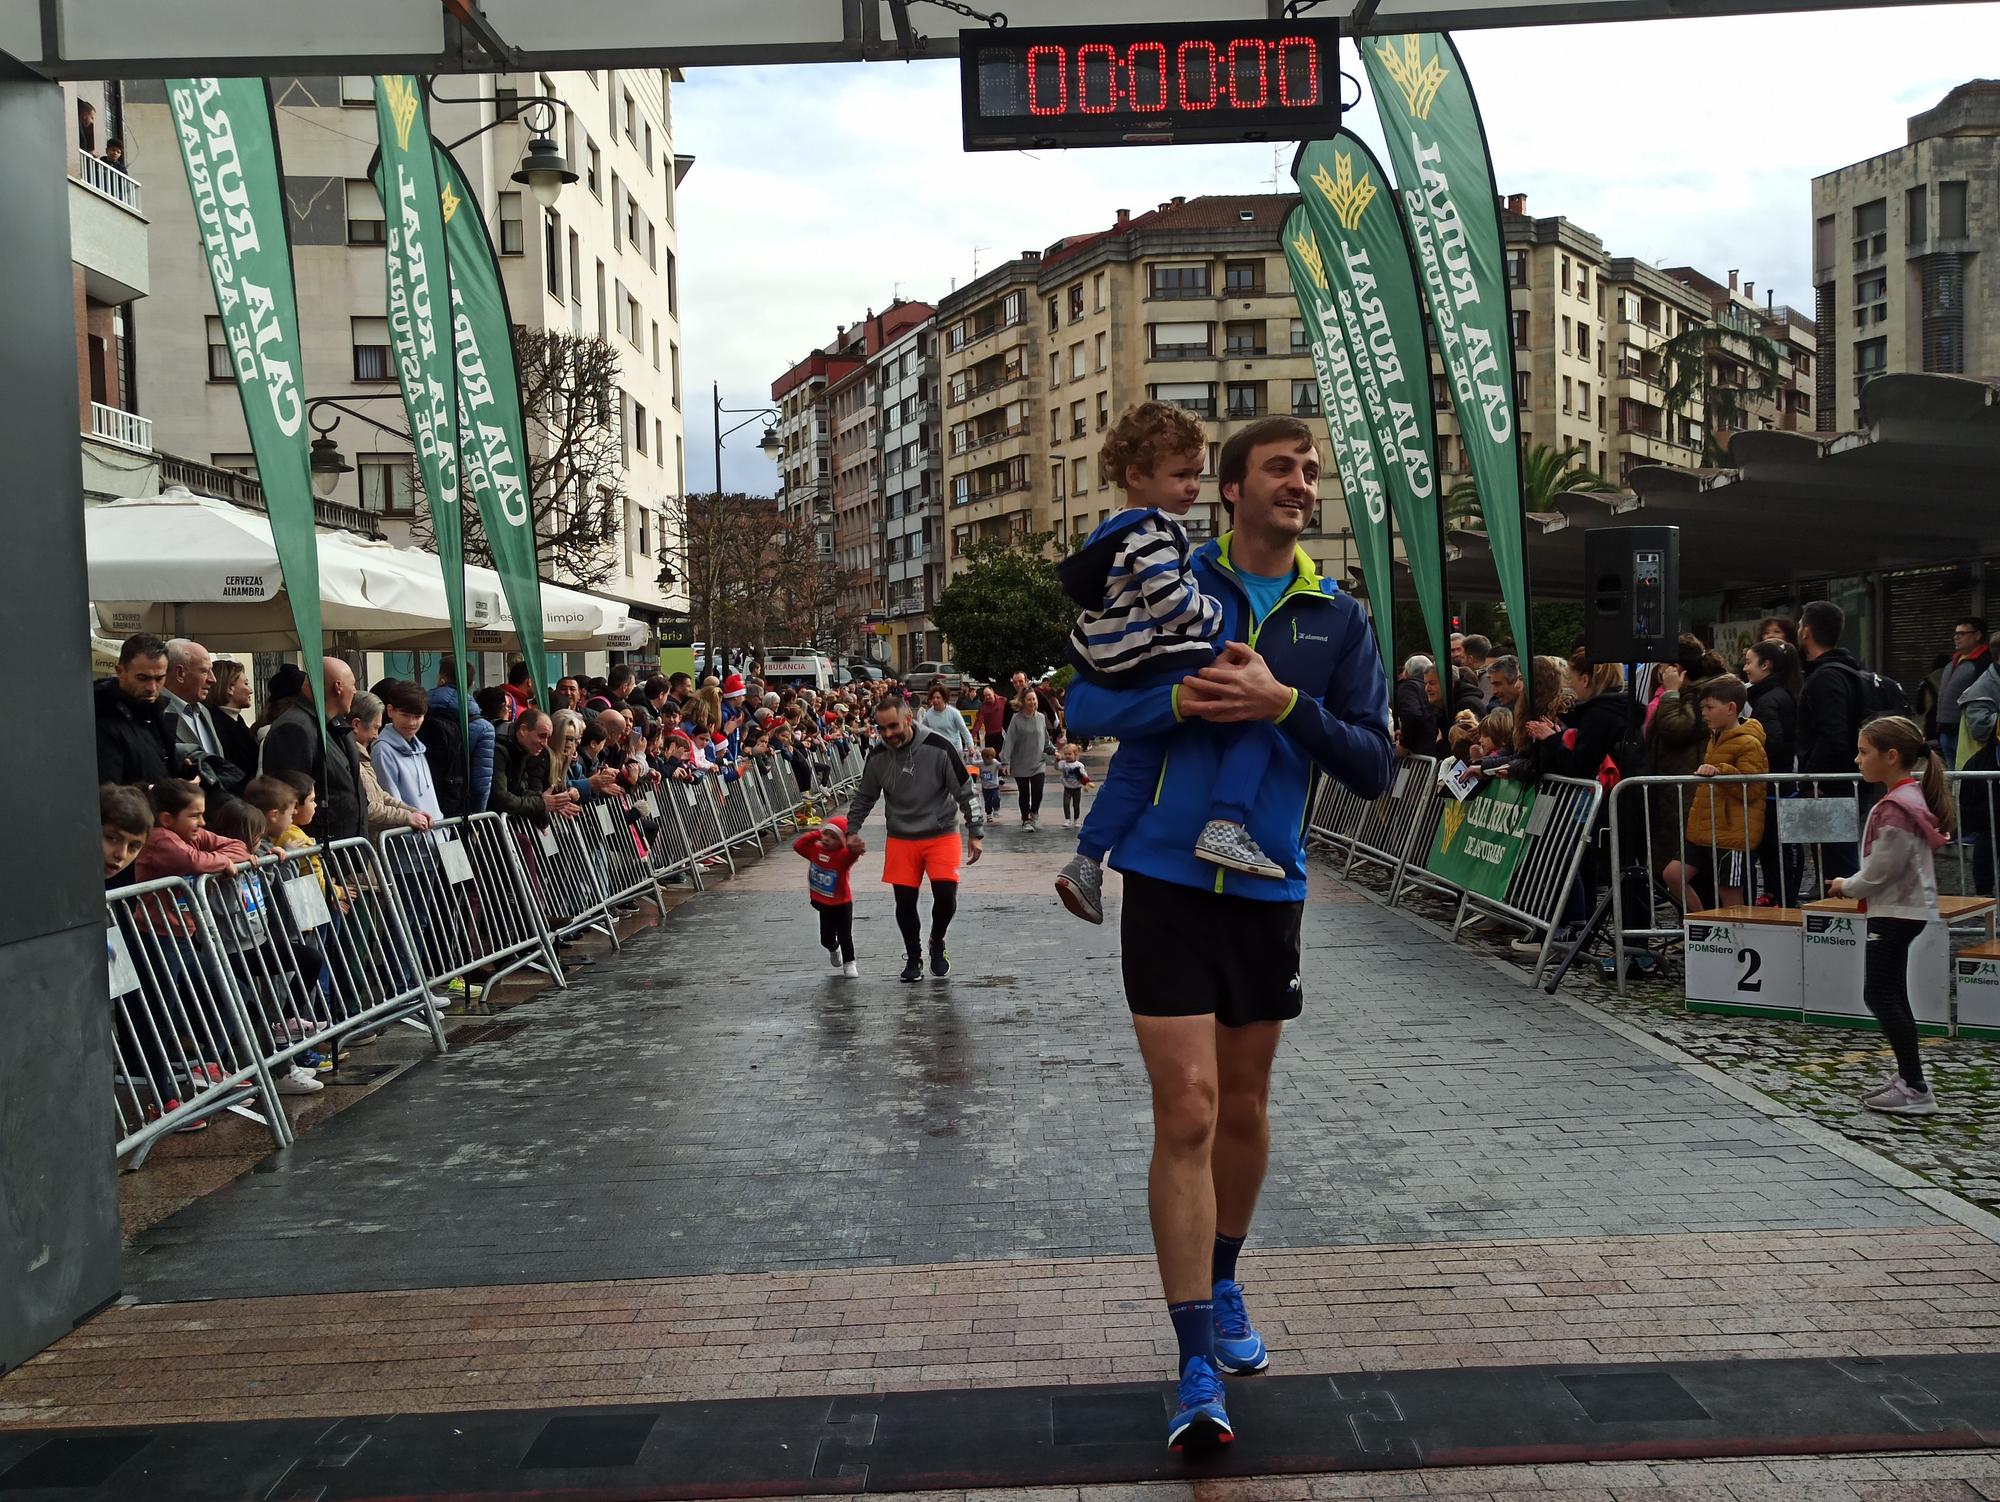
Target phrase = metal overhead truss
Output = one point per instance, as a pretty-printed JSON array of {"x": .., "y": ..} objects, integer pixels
[{"x": 158, "y": 38}]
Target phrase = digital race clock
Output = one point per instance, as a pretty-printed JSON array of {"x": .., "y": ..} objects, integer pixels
[{"x": 1149, "y": 85}]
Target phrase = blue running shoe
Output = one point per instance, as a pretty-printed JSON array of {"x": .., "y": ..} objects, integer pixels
[
  {"x": 1239, "y": 1349},
  {"x": 1199, "y": 1422}
]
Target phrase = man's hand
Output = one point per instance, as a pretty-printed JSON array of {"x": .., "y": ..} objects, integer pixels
[
  {"x": 1237, "y": 686},
  {"x": 419, "y": 819},
  {"x": 855, "y": 844},
  {"x": 604, "y": 779},
  {"x": 974, "y": 848}
]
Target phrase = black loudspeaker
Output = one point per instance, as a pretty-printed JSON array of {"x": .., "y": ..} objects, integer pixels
[{"x": 1632, "y": 607}]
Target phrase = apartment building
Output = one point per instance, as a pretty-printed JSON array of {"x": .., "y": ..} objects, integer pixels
[
  {"x": 857, "y": 489},
  {"x": 1734, "y": 306},
  {"x": 1906, "y": 256},
  {"x": 907, "y": 390},
  {"x": 989, "y": 366},
  {"x": 805, "y": 440},
  {"x": 601, "y": 260}
]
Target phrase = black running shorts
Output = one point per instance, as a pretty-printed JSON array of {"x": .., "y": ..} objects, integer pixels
[{"x": 1189, "y": 953}]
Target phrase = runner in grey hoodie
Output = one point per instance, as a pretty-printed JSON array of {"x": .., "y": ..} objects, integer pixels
[{"x": 918, "y": 776}]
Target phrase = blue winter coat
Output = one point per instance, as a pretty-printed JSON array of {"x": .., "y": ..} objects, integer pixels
[
  {"x": 1318, "y": 642},
  {"x": 444, "y": 700}
]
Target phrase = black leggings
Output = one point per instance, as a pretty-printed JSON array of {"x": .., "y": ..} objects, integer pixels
[
  {"x": 1885, "y": 986},
  {"x": 836, "y": 927},
  {"x": 944, "y": 906},
  {"x": 1072, "y": 803},
  {"x": 1031, "y": 793}
]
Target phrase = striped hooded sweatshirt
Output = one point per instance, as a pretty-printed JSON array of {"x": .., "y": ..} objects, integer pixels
[{"x": 1142, "y": 612}]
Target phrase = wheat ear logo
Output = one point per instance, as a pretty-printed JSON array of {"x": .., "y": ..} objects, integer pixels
[
  {"x": 1454, "y": 820},
  {"x": 1307, "y": 245},
  {"x": 448, "y": 201},
  {"x": 1418, "y": 80},
  {"x": 1348, "y": 197},
  {"x": 403, "y": 104}
]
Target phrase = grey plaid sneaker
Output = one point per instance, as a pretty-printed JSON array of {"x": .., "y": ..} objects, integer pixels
[
  {"x": 1225, "y": 844},
  {"x": 1080, "y": 884},
  {"x": 1898, "y": 1099}
]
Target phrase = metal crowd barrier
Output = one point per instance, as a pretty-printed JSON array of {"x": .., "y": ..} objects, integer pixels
[
  {"x": 183, "y": 1047},
  {"x": 566, "y": 876},
  {"x": 468, "y": 902},
  {"x": 1649, "y": 844},
  {"x": 1397, "y": 831},
  {"x": 321, "y": 949},
  {"x": 673, "y": 854},
  {"x": 701, "y": 813},
  {"x": 624, "y": 836},
  {"x": 737, "y": 816},
  {"x": 1968, "y": 860}
]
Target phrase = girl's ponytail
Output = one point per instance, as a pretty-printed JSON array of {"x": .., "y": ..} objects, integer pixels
[{"x": 1895, "y": 733}]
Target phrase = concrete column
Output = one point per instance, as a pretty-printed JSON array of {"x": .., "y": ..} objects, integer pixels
[{"x": 58, "y": 1183}]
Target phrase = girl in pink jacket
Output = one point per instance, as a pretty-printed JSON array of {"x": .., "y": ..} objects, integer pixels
[
  {"x": 1897, "y": 889},
  {"x": 179, "y": 844}
]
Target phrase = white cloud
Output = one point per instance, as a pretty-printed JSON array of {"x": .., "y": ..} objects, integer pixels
[{"x": 820, "y": 192}]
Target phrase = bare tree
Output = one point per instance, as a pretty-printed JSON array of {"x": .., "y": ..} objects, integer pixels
[
  {"x": 751, "y": 578},
  {"x": 569, "y": 401}
]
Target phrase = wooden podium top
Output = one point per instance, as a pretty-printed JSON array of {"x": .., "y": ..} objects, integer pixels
[
  {"x": 1949, "y": 908},
  {"x": 1777, "y": 916},
  {"x": 1990, "y": 950}
]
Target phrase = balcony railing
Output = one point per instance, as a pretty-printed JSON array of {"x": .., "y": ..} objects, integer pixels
[
  {"x": 108, "y": 181},
  {"x": 128, "y": 430},
  {"x": 228, "y": 485}
]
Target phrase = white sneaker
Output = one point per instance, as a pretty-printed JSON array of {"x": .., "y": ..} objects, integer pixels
[
  {"x": 833, "y": 954},
  {"x": 851, "y": 970},
  {"x": 1898, "y": 1099},
  {"x": 297, "y": 1081}
]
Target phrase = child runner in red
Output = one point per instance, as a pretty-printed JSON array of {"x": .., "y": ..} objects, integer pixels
[{"x": 831, "y": 855}]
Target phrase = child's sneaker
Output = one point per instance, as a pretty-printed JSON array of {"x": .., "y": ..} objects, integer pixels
[
  {"x": 298, "y": 1081},
  {"x": 1898, "y": 1099},
  {"x": 851, "y": 970},
  {"x": 1080, "y": 884},
  {"x": 833, "y": 954},
  {"x": 1225, "y": 844}
]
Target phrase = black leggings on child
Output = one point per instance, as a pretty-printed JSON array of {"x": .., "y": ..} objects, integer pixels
[
  {"x": 1885, "y": 986},
  {"x": 1072, "y": 803},
  {"x": 836, "y": 927}
]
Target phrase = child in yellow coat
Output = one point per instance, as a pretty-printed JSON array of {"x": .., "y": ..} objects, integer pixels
[{"x": 1723, "y": 824}]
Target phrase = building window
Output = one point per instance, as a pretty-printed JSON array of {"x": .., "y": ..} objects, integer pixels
[
  {"x": 1055, "y": 370},
  {"x": 1583, "y": 283},
  {"x": 652, "y": 247},
  {"x": 219, "y": 368},
  {"x": 507, "y": 102},
  {"x": 673, "y": 286},
  {"x": 1520, "y": 321},
  {"x": 1179, "y": 281},
  {"x": 1103, "y": 410},
  {"x": 1871, "y": 221},
  {"x": 371, "y": 349},
  {"x": 1951, "y": 211},
  {"x": 1076, "y": 362},
  {"x": 388, "y": 485},
  {"x": 1299, "y": 345},
  {"x": 1871, "y": 358},
  {"x": 617, "y": 214},
  {"x": 1243, "y": 338},
  {"x": 1583, "y": 339},
  {"x": 1517, "y": 268},
  {"x": 1076, "y": 302},
  {"x": 1243, "y": 278},
  {"x": 364, "y": 213},
  {"x": 631, "y": 119},
  {"x": 1079, "y": 424},
  {"x": 1097, "y": 291},
  {"x": 1055, "y": 315},
  {"x": 1871, "y": 299},
  {"x": 513, "y": 240},
  {"x": 1305, "y": 398},
  {"x": 1916, "y": 215},
  {"x": 1197, "y": 397},
  {"x": 1246, "y": 398},
  {"x": 1181, "y": 341},
  {"x": 674, "y": 361},
  {"x": 1565, "y": 273},
  {"x": 593, "y": 169},
  {"x": 1079, "y": 477},
  {"x": 646, "y": 130},
  {"x": 576, "y": 279},
  {"x": 639, "y": 425},
  {"x": 1013, "y": 309},
  {"x": 1566, "y": 328},
  {"x": 357, "y": 90},
  {"x": 552, "y": 241}
]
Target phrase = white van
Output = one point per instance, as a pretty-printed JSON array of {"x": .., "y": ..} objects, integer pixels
[{"x": 797, "y": 667}]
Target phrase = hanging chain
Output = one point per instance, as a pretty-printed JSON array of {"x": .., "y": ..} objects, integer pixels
[
  {"x": 1296, "y": 8},
  {"x": 995, "y": 19}
]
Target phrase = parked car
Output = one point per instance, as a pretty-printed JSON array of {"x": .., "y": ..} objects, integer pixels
[{"x": 920, "y": 676}]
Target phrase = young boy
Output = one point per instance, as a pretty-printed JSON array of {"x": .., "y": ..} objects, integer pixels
[
  {"x": 832, "y": 895},
  {"x": 1069, "y": 763},
  {"x": 989, "y": 783},
  {"x": 1725, "y": 824},
  {"x": 1145, "y": 622}
]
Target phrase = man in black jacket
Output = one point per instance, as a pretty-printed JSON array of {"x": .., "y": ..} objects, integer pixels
[
  {"x": 1416, "y": 720},
  {"x": 1830, "y": 709},
  {"x": 135, "y": 730},
  {"x": 521, "y": 772},
  {"x": 294, "y": 744}
]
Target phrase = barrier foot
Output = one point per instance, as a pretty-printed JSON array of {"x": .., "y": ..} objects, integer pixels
[{"x": 1570, "y": 955}]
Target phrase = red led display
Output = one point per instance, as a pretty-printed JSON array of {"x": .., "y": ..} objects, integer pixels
[{"x": 1132, "y": 85}]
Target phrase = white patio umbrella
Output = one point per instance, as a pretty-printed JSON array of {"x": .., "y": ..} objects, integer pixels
[{"x": 187, "y": 565}]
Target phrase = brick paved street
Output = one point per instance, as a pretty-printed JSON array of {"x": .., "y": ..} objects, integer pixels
[{"x": 712, "y": 1169}]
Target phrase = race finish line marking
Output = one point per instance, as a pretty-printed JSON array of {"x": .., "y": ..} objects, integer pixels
[{"x": 1024, "y": 1436}]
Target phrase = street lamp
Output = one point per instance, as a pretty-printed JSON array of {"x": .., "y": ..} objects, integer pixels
[
  {"x": 768, "y": 444},
  {"x": 328, "y": 464},
  {"x": 543, "y": 171}
]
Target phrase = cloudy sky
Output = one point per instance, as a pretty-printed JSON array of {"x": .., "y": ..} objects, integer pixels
[{"x": 820, "y": 192}]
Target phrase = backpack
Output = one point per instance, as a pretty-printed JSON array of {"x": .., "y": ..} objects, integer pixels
[
  {"x": 444, "y": 749},
  {"x": 1878, "y": 694}
]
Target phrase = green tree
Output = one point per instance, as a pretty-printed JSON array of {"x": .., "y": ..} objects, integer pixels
[
  {"x": 1545, "y": 474},
  {"x": 1723, "y": 368},
  {"x": 1007, "y": 612}
]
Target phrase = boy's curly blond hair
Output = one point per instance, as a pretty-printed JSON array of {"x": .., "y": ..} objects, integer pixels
[{"x": 1146, "y": 434}]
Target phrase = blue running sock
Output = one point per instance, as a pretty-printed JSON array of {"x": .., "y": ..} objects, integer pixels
[
  {"x": 1194, "y": 1327},
  {"x": 1226, "y": 1248}
]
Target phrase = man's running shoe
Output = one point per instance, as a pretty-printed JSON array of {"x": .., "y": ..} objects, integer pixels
[
  {"x": 1225, "y": 844},
  {"x": 913, "y": 968},
  {"x": 1239, "y": 1349},
  {"x": 940, "y": 959},
  {"x": 1199, "y": 1421},
  {"x": 1080, "y": 884}
]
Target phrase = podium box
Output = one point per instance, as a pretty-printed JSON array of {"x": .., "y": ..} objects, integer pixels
[
  {"x": 1835, "y": 931},
  {"x": 1977, "y": 972},
  {"x": 1745, "y": 962}
]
